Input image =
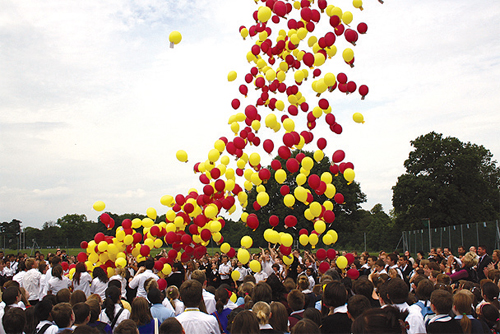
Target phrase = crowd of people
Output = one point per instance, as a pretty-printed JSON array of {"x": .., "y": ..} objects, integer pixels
[{"x": 438, "y": 292}]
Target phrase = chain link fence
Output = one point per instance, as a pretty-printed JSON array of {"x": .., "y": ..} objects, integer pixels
[{"x": 466, "y": 235}]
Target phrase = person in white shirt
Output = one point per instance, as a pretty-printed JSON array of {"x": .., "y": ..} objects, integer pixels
[
  {"x": 119, "y": 275},
  {"x": 172, "y": 300},
  {"x": 42, "y": 312},
  {"x": 141, "y": 276},
  {"x": 194, "y": 321},
  {"x": 266, "y": 262},
  {"x": 82, "y": 279},
  {"x": 42, "y": 268},
  {"x": 31, "y": 280},
  {"x": 99, "y": 283},
  {"x": 397, "y": 291},
  {"x": 112, "y": 308},
  {"x": 243, "y": 272},
  {"x": 224, "y": 271},
  {"x": 58, "y": 281},
  {"x": 19, "y": 276},
  {"x": 261, "y": 276},
  {"x": 208, "y": 298}
]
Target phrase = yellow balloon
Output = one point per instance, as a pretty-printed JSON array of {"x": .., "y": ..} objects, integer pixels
[
  {"x": 304, "y": 239},
  {"x": 313, "y": 239},
  {"x": 262, "y": 198},
  {"x": 286, "y": 240},
  {"x": 307, "y": 163},
  {"x": 330, "y": 190},
  {"x": 349, "y": 175},
  {"x": 150, "y": 243},
  {"x": 267, "y": 234},
  {"x": 244, "y": 33},
  {"x": 121, "y": 262},
  {"x": 308, "y": 214},
  {"x": 334, "y": 235},
  {"x": 231, "y": 76},
  {"x": 167, "y": 269},
  {"x": 243, "y": 255},
  {"x": 235, "y": 127},
  {"x": 300, "y": 193},
  {"x": 288, "y": 259},
  {"x": 213, "y": 155},
  {"x": 215, "y": 226},
  {"x": 103, "y": 246},
  {"x": 120, "y": 234},
  {"x": 167, "y": 200},
  {"x": 255, "y": 125},
  {"x": 270, "y": 75},
  {"x": 327, "y": 239},
  {"x": 320, "y": 226},
  {"x": 289, "y": 124},
  {"x": 182, "y": 156},
  {"x": 217, "y": 236},
  {"x": 348, "y": 55},
  {"x": 158, "y": 243},
  {"x": 326, "y": 177},
  {"x": 93, "y": 258},
  {"x": 225, "y": 247},
  {"x": 210, "y": 212},
  {"x": 358, "y": 117},
  {"x": 289, "y": 200},
  {"x": 318, "y": 155},
  {"x": 347, "y": 17},
  {"x": 147, "y": 222},
  {"x": 315, "y": 208},
  {"x": 71, "y": 273},
  {"x": 112, "y": 249},
  {"x": 255, "y": 266},
  {"x": 341, "y": 262},
  {"x": 99, "y": 206},
  {"x": 151, "y": 213},
  {"x": 299, "y": 76},
  {"x": 235, "y": 275},
  {"x": 175, "y": 37},
  {"x": 128, "y": 240},
  {"x": 254, "y": 159},
  {"x": 319, "y": 59},
  {"x": 264, "y": 14},
  {"x": 280, "y": 176},
  {"x": 329, "y": 79},
  {"x": 219, "y": 145},
  {"x": 301, "y": 179},
  {"x": 246, "y": 242}
]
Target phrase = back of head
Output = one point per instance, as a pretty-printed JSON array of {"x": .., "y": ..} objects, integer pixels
[
  {"x": 424, "y": 289},
  {"x": 379, "y": 320},
  {"x": 82, "y": 312},
  {"x": 397, "y": 291},
  {"x": 141, "y": 313},
  {"x": 61, "y": 314},
  {"x": 42, "y": 309},
  {"x": 469, "y": 259},
  {"x": 63, "y": 296},
  {"x": 363, "y": 287},
  {"x": 302, "y": 282},
  {"x": 442, "y": 301},
  {"x": 490, "y": 292},
  {"x": 313, "y": 314},
  {"x": 95, "y": 309},
  {"x": 333, "y": 274},
  {"x": 221, "y": 298},
  {"x": 10, "y": 295},
  {"x": 170, "y": 326},
  {"x": 115, "y": 283},
  {"x": 191, "y": 293},
  {"x": 154, "y": 296},
  {"x": 489, "y": 314},
  {"x": 305, "y": 326},
  {"x": 14, "y": 320},
  {"x": 84, "y": 329},
  {"x": 150, "y": 263},
  {"x": 357, "y": 305},
  {"x": 199, "y": 276},
  {"x": 245, "y": 322},
  {"x": 279, "y": 319},
  {"x": 296, "y": 300},
  {"x": 263, "y": 311},
  {"x": 262, "y": 292},
  {"x": 127, "y": 326},
  {"x": 78, "y": 296},
  {"x": 334, "y": 294}
]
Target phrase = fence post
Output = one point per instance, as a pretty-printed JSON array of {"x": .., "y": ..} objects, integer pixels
[
  {"x": 477, "y": 232},
  {"x": 462, "y": 234}
]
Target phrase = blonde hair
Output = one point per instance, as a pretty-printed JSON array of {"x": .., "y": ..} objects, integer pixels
[
  {"x": 120, "y": 272},
  {"x": 172, "y": 294},
  {"x": 470, "y": 259},
  {"x": 263, "y": 312}
]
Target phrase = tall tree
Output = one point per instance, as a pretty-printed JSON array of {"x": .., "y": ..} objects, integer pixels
[{"x": 448, "y": 182}]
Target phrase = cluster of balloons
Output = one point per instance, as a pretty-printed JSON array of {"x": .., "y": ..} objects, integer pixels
[{"x": 281, "y": 62}]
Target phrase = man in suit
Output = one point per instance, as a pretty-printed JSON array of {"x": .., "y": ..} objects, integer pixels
[
  {"x": 405, "y": 267},
  {"x": 484, "y": 260}
]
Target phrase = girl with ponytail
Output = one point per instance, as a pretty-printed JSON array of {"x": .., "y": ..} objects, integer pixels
[
  {"x": 222, "y": 311},
  {"x": 113, "y": 312},
  {"x": 462, "y": 307}
]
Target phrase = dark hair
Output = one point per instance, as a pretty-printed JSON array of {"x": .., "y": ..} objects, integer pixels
[
  {"x": 31, "y": 320},
  {"x": 42, "y": 309},
  {"x": 312, "y": 314},
  {"x": 305, "y": 326},
  {"x": 245, "y": 322},
  {"x": 357, "y": 305},
  {"x": 221, "y": 298},
  {"x": 14, "y": 320},
  {"x": 279, "y": 319},
  {"x": 262, "y": 292},
  {"x": 78, "y": 296},
  {"x": 489, "y": 314},
  {"x": 57, "y": 271},
  {"x": 393, "y": 257},
  {"x": 101, "y": 274},
  {"x": 51, "y": 298},
  {"x": 115, "y": 282},
  {"x": 424, "y": 289},
  {"x": 379, "y": 320},
  {"x": 85, "y": 329},
  {"x": 154, "y": 296},
  {"x": 150, "y": 263},
  {"x": 168, "y": 326},
  {"x": 81, "y": 311},
  {"x": 79, "y": 269},
  {"x": 10, "y": 294},
  {"x": 296, "y": 300},
  {"x": 61, "y": 314},
  {"x": 95, "y": 309},
  {"x": 442, "y": 301},
  {"x": 397, "y": 291},
  {"x": 363, "y": 287},
  {"x": 191, "y": 293},
  {"x": 490, "y": 292},
  {"x": 199, "y": 275},
  {"x": 141, "y": 313},
  {"x": 334, "y": 294},
  {"x": 112, "y": 297},
  {"x": 42, "y": 266},
  {"x": 63, "y": 296},
  {"x": 127, "y": 326}
]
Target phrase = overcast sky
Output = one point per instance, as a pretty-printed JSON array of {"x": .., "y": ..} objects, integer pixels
[{"x": 94, "y": 104}]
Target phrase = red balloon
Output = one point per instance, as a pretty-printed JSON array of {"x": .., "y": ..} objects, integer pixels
[
  {"x": 205, "y": 234},
  {"x": 256, "y": 206},
  {"x": 170, "y": 238},
  {"x": 274, "y": 220},
  {"x": 172, "y": 253},
  {"x": 362, "y": 28},
  {"x": 284, "y": 152},
  {"x": 321, "y": 254},
  {"x": 363, "y": 91},
  {"x": 351, "y": 86},
  {"x": 186, "y": 239},
  {"x": 308, "y": 59},
  {"x": 339, "y": 30},
  {"x": 82, "y": 257},
  {"x": 99, "y": 237},
  {"x": 252, "y": 221},
  {"x": 65, "y": 266},
  {"x": 329, "y": 216},
  {"x": 127, "y": 223},
  {"x": 338, "y": 198},
  {"x": 84, "y": 245},
  {"x": 145, "y": 250},
  {"x": 162, "y": 283},
  {"x": 338, "y": 156},
  {"x": 264, "y": 174},
  {"x": 303, "y": 231},
  {"x": 275, "y": 164},
  {"x": 105, "y": 218},
  {"x": 284, "y": 190},
  {"x": 137, "y": 237},
  {"x": 290, "y": 221},
  {"x": 323, "y": 267},
  {"x": 323, "y": 104},
  {"x": 330, "y": 39},
  {"x": 337, "y": 128},
  {"x": 288, "y": 139},
  {"x": 353, "y": 273},
  {"x": 334, "y": 21},
  {"x": 321, "y": 143},
  {"x": 350, "y": 258},
  {"x": 292, "y": 165},
  {"x": 331, "y": 253},
  {"x": 193, "y": 229},
  {"x": 285, "y": 250},
  {"x": 244, "y": 90},
  {"x": 351, "y": 36},
  {"x": 235, "y": 103},
  {"x": 231, "y": 253},
  {"x": 314, "y": 181},
  {"x": 330, "y": 119},
  {"x": 158, "y": 265},
  {"x": 279, "y": 8},
  {"x": 180, "y": 199},
  {"x": 268, "y": 145}
]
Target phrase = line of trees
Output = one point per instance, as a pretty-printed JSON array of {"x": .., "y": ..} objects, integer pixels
[{"x": 446, "y": 181}]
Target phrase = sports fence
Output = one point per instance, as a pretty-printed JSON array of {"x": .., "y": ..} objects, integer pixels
[{"x": 481, "y": 233}]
